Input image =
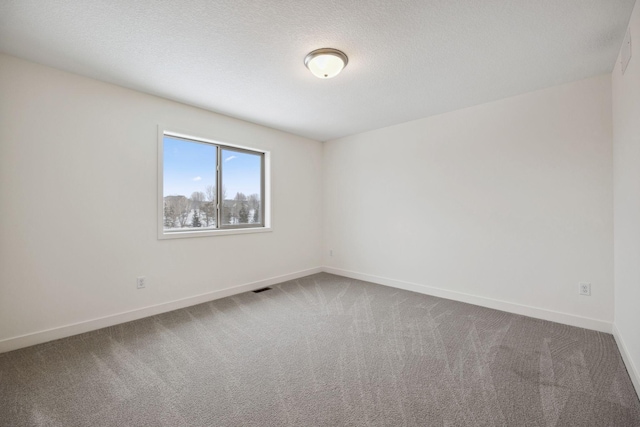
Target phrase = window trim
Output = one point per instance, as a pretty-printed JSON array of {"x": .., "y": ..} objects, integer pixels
[{"x": 223, "y": 230}]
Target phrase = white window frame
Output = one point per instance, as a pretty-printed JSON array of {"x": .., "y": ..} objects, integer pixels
[{"x": 178, "y": 234}]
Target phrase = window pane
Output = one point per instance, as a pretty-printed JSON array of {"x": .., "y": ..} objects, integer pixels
[
  {"x": 241, "y": 187},
  {"x": 189, "y": 184}
]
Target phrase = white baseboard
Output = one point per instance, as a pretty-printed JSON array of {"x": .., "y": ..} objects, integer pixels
[
  {"x": 40, "y": 337},
  {"x": 525, "y": 310},
  {"x": 628, "y": 361}
]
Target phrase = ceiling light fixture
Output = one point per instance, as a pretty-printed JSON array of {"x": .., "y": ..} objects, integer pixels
[{"x": 326, "y": 62}]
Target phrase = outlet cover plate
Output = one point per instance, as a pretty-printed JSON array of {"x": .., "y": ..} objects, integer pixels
[{"x": 584, "y": 289}]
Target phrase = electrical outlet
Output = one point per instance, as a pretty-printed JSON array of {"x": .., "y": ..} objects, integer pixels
[
  {"x": 584, "y": 289},
  {"x": 330, "y": 252},
  {"x": 141, "y": 282}
]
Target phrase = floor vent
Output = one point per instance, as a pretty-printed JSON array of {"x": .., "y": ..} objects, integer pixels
[{"x": 257, "y": 291}]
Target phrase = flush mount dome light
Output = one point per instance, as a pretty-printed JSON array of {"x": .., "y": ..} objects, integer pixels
[{"x": 326, "y": 62}]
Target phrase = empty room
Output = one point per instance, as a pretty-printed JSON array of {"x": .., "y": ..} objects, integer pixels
[{"x": 302, "y": 213}]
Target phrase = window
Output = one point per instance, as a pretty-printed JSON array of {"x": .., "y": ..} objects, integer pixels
[{"x": 209, "y": 187}]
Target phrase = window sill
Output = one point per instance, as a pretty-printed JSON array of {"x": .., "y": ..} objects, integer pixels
[{"x": 206, "y": 233}]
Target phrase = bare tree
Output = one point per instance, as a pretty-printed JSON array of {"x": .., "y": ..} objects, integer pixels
[
  {"x": 254, "y": 207},
  {"x": 226, "y": 207},
  {"x": 197, "y": 197},
  {"x": 183, "y": 208},
  {"x": 211, "y": 193},
  {"x": 238, "y": 209},
  {"x": 254, "y": 201},
  {"x": 169, "y": 214},
  {"x": 256, "y": 214},
  {"x": 171, "y": 210},
  {"x": 209, "y": 207}
]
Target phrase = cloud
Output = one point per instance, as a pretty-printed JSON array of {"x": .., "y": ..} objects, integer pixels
[
  {"x": 229, "y": 158},
  {"x": 197, "y": 178}
]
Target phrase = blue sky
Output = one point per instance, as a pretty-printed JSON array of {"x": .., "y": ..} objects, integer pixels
[{"x": 191, "y": 166}]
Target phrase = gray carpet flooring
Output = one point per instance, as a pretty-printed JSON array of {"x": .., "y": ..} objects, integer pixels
[{"x": 323, "y": 351}]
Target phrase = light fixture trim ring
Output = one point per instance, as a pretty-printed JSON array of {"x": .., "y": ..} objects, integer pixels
[{"x": 326, "y": 51}]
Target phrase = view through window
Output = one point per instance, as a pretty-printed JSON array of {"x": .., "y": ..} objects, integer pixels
[{"x": 210, "y": 186}]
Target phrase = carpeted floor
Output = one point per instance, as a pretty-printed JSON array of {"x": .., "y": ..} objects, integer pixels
[{"x": 323, "y": 351}]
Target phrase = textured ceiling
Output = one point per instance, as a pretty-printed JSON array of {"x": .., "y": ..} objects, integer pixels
[{"x": 407, "y": 58}]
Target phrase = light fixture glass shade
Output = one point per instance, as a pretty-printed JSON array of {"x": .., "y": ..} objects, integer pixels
[{"x": 326, "y": 63}]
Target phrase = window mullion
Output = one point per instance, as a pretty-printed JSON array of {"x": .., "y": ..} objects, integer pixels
[{"x": 219, "y": 202}]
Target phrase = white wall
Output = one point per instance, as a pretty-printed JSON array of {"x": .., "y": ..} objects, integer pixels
[
  {"x": 626, "y": 167},
  {"x": 78, "y": 162},
  {"x": 507, "y": 204},
  {"x": 510, "y": 201}
]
